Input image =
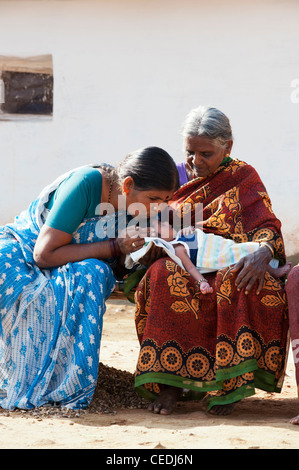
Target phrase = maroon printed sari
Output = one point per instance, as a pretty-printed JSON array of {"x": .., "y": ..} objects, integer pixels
[{"x": 225, "y": 343}]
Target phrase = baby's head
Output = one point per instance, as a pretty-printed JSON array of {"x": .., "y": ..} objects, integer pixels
[{"x": 165, "y": 231}]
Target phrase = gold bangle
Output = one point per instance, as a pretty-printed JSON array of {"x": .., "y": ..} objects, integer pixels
[{"x": 268, "y": 246}]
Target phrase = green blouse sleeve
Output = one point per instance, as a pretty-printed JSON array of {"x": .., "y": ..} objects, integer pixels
[{"x": 75, "y": 199}]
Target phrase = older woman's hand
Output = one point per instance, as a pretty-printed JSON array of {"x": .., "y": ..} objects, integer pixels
[{"x": 252, "y": 269}]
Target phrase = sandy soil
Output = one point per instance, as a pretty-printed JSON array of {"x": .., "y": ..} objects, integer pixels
[{"x": 259, "y": 422}]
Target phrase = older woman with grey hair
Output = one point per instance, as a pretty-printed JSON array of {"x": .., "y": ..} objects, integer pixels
[
  {"x": 225, "y": 344},
  {"x": 208, "y": 122}
]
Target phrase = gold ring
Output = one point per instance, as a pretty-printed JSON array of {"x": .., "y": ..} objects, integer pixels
[{"x": 134, "y": 245}]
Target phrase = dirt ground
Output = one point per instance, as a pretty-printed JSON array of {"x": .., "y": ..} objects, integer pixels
[{"x": 258, "y": 422}]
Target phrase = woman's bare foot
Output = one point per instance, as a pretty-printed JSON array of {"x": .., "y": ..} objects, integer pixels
[
  {"x": 166, "y": 401},
  {"x": 281, "y": 271},
  {"x": 222, "y": 410},
  {"x": 295, "y": 420}
]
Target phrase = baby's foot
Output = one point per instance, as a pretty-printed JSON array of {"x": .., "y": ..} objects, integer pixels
[{"x": 205, "y": 288}]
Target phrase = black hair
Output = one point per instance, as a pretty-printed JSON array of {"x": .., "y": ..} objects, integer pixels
[{"x": 150, "y": 168}]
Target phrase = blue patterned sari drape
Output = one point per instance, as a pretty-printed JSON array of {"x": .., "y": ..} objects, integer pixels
[{"x": 50, "y": 319}]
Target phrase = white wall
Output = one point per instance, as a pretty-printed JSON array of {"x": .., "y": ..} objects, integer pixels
[{"x": 126, "y": 72}]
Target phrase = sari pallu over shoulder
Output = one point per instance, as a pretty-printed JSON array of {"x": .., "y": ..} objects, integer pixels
[
  {"x": 225, "y": 343},
  {"x": 231, "y": 198},
  {"x": 50, "y": 319}
]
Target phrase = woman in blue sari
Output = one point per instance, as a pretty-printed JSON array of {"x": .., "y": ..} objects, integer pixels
[{"x": 57, "y": 269}]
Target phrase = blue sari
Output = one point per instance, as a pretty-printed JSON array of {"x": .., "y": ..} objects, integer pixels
[{"x": 50, "y": 319}]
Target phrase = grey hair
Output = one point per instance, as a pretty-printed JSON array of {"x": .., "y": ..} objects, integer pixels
[{"x": 207, "y": 121}]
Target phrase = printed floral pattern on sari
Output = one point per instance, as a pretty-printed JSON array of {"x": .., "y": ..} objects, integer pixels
[
  {"x": 226, "y": 343},
  {"x": 177, "y": 282}
]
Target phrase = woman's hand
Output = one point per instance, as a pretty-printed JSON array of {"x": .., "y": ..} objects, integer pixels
[
  {"x": 252, "y": 269},
  {"x": 132, "y": 239}
]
